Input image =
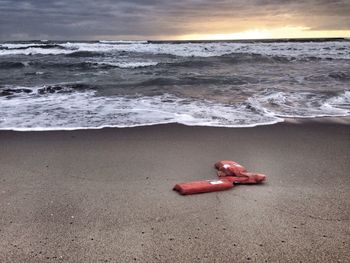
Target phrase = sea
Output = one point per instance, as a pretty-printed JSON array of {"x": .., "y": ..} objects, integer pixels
[{"x": 68, "y": 85}]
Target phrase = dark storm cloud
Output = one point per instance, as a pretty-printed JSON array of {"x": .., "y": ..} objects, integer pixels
[{"x": 90, "y": 19}]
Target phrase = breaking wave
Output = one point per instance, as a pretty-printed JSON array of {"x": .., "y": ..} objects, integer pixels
[
  {"x": 123, "y": 41},
  {"x": 295, "y": 50},
  {"x": 304, "y": 104},
  {"x": 77, "y": 106},
  {"x": 126, "y": 64}
]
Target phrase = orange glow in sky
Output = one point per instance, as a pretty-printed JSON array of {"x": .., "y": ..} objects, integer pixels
[{"x": 280, "y": 32}]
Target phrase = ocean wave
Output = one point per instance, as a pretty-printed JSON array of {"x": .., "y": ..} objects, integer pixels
[
  {"x": 292, "y": 51},
  {"x": 20, "y": 45},
  {"x": 123, "y": 41},
  {"x": 126, "y": 64},
  {"x": 60, "y": 107},
  {"x": 35, "y": 51},
  {"x": 199, "y": 80},
  {"x": 239, "y": 57},
  {"x": 331, "y": 76},
  {"x": 12, "y": 64},
  {"x": 10, "y": 91},
  {"x": 79, "y": 65},
  {"x": 41, "y": 46},
  {"x": 84, "y": 54},
  {"x": 84, "y": 109},
  {"x": 341, "y": 101},
  {"x": 303, "y": 104},
  {"x": 340, "y": 75}
]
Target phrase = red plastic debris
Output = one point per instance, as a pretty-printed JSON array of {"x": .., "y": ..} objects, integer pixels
[
  {"x": 229, "y": 173},
  {"x": 237, "y": 174},
  {"x": 229, "y": 168},
  {"x": 245, "y": 178},
  {"x": 203, "y": 186}
]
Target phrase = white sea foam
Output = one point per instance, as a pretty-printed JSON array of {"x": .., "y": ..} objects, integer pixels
[
  {"x": 320, "y": 50},
  {"x": 339, "y": 50},
  {"x": 19, "y": 45},
  {"x": 302, "y": 104},
  {"x": 69, "y": 110},
  {"x": 342, "y": 101},
  {"x": 85, "y": 110},
  {"x": 123, "y": 41},
  {"x": 128, "y": 64},
  {"x": 35, "y": 51}
]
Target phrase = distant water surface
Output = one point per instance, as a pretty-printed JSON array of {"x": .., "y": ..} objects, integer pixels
[{"x": 55, "y": 85}]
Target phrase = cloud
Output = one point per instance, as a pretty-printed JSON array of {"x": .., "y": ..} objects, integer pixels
[{"x": 90, "y": 19}]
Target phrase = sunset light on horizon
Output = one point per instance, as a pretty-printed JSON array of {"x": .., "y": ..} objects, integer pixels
[{"x": 274, "y": 33}]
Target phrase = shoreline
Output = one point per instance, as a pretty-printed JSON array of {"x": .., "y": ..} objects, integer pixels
[
  {"x": 337, "y": 120},
  {"x": 106, "y": 195}
]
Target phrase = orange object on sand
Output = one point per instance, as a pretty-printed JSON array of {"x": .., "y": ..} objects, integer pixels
[
  {"x": 229, "y": 173},
  {"x": 204, "y": 186},
  {"x": 244, "y": 178},
  {"x": 229, "y": 168},
  {"x": 237, "y": 174}
]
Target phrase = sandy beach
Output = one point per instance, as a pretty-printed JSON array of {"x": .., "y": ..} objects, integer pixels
[{"x": 106, "y": 195}]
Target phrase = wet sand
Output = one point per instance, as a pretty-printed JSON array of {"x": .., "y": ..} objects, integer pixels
[{"x": 105, "y": 195}]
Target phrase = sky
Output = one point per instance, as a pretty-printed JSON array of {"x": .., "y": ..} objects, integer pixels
[{"x": 172, "y": 19}]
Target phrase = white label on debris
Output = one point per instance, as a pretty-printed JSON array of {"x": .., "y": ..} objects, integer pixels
[{"x": 216, "y": 182}]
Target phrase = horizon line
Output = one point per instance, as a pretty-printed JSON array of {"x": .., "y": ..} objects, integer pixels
[{"x": 186, "y": 40}]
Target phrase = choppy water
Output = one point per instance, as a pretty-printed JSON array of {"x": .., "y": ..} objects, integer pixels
[{"x": 47, "y": 85}]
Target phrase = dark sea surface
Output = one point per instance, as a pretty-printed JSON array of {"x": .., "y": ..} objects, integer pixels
[{"x": 55, "y": 85}]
